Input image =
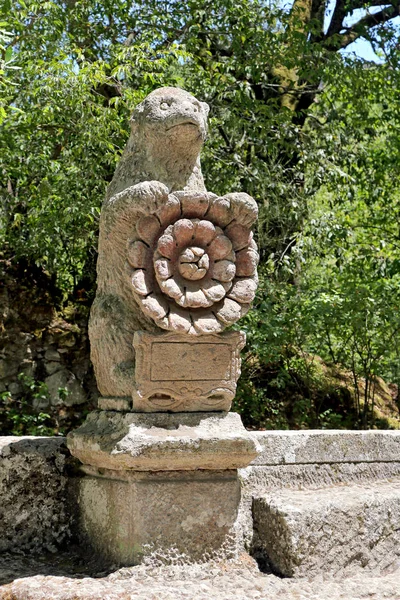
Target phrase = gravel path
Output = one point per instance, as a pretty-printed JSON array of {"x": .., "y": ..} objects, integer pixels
[{"x": 223, "y": 580}]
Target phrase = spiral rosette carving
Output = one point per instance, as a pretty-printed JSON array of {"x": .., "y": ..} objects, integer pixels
[{"x": 194, "y": 261}]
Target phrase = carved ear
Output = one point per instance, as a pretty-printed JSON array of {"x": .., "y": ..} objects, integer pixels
[{"x": 205, "y": 107}]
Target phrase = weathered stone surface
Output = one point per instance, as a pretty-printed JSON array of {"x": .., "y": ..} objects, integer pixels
[
  {"x": 162, "y": 441},
  {"x": 301, "y": 447},
  {"x": 162, "y": 155},
  {"x": 33, "y": 493},
  {"x": 256, "y": 480},
  {"x": 127, "y": 515},
  {"x": 176, "y": 372},
  {"x": 65, "y": 380},
  {"x": 52, "y": 354},
  {"x": 239, "y": 579},
  {"x": 167, "y": 247},
  {"x": 189, "y": 256},
  {"x": 302, "y": 533},
  {"x": 31, "y": 475},
  {"x": 52, "y": 367},
  {"x": 316, "y": 476},
  {"x": 119, "y": 404},
  {"x": 35, "y": 343}
]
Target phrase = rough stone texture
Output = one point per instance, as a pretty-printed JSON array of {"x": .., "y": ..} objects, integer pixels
[
  {"x": 64, "y": 379},
  {"x": 32, "y": 469},
  {"x": 162, "y": 441},
  {"x": 167, "y": 247},
  {"x": 159, "y": 481},
  {"x": 33, "y": 493},
  {"x": 168, "y": 130},
  {"x": 177, "y": 373},
  {"x": 302, "y": 447},
  {"x": 315, "y": 476},
  {"x": 315, "y": 459},
  {"x": 119, "y": 404},
  {"x": 33, "y": 486},
  {"x": 301, "y": 533},
  {"x": 219, "y": 580},
  {"x": 125, "y": 515},
  {"x": 162, "y": 155},
  {"x": 256, "y": 481}
]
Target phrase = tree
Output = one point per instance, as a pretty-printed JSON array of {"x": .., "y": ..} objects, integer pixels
[
  {"x": 310, "y": 133},
  {"x": 345, "y": 307},
  {"x": 83, "y": 65}
]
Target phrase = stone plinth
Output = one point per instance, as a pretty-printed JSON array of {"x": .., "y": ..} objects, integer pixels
[
  {"x": 128, "y": 514},
  {"x": 159, "y": 481}
]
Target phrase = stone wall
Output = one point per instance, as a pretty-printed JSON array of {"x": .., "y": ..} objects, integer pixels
[
  {"x": 301, "y": 460},
  {"x": 35, "y": 512},
  {"x": 37, "y": 505},
  {"x": 39, "y": 345},
  {"x": 324, "y": 502}
]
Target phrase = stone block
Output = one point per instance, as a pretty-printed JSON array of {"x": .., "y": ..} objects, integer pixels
[
  {"x": 34, "y": 511},
  {"x": 64, "y": 379},
  {"x": 176, "y": 372},
  {"x": 332, "y": 530},
  {"x": 125, "y": 515},
  {"x": 162, "y": 441},
  {"x": 315, "y": 476},
  {"x": 52, "y": 367},
  {"x": 311, "y": 447}
]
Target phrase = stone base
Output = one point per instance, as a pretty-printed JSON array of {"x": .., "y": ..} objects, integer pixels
[
  {"x": 163, "y": 441},
  {"x": 128, "y": 515},
  {"x": 159, "y": 482},
  {"x": 118, "y": 404}
]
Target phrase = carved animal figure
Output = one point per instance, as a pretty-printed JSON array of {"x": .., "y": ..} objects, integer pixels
[{"x": 168, "y": 130}]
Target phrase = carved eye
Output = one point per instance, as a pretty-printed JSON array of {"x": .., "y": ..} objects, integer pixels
[
  {"x": 164, "y": 105},
  {"x": 196, "y": 107}
]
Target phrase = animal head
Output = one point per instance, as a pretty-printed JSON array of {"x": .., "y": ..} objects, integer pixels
[{"x": 172, "y": 114}]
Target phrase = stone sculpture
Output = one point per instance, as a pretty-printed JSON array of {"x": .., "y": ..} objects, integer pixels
[
  {"x": 176, "y": 266},
  {"x": 172, "y": 256}
]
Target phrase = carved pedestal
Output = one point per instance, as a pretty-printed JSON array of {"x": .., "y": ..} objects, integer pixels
[{"x": 159, "y": 482}]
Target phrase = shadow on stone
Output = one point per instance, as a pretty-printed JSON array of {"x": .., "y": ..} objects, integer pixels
[{"x": 76, "y": 563}]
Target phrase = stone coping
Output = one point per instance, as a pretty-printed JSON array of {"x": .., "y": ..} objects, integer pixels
[
  {"x": 278, "y": 447},
  {"x": 333, "y": 446},
  {"x": 163, "y": 441},
  {"x": 25, "y": 444}
]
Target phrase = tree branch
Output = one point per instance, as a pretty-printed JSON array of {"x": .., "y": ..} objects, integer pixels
[
  {"x": 300, "y": 15},
  {"x": 338, "y": 16},
  {"x": 355, "y": 4},
  {"x": 318, "y": 8},
  {"x": 359, "y": 28}
]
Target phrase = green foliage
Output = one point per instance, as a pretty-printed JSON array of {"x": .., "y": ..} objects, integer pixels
[
  {"x": 60, "y": 144},
  {"x": 18, "y": 416},
  {"x": 312, "y": 135},
  {"x": 284, "y": 385},
  {"x": 341, "y": 294}
]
